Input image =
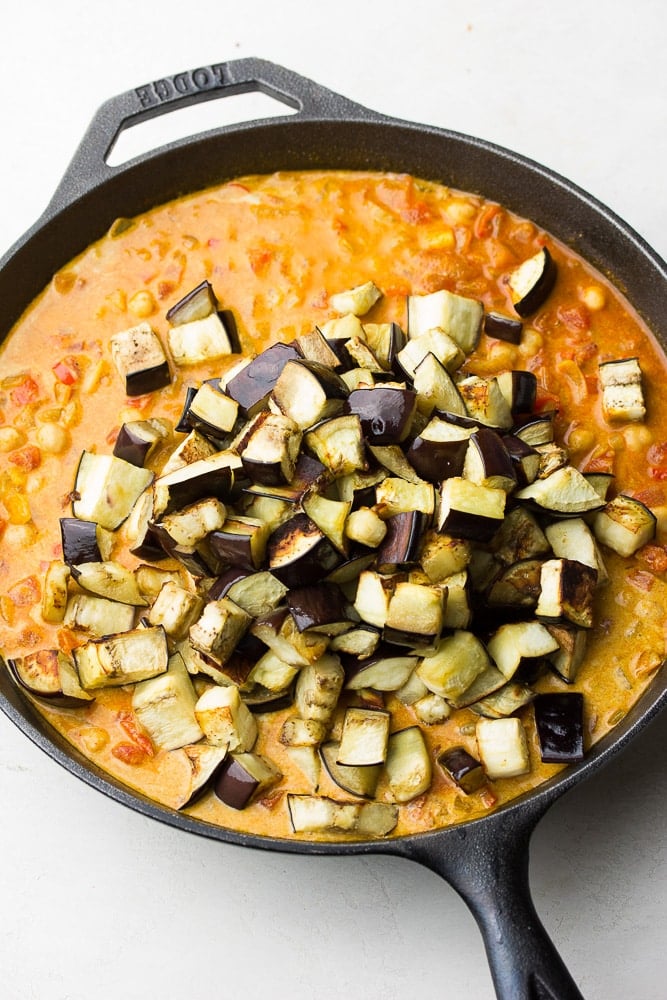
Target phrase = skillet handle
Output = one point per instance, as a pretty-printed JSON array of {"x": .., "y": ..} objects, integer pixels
[
  {"x": 88, "y": 168},
  {"x": 487, "y": 864}
]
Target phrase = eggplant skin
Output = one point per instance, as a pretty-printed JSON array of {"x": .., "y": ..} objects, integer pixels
[
  {"x": 540, "y": 272},
  {"x": 560, "y": 727}
]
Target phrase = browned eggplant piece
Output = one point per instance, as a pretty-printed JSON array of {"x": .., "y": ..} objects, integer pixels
[
  {"x": 242, "y": 777},
  {"x": 485, "y": 402},
  {"x": 79, "y": 540},
  {"x": 270, "y": 454},
  {"x": 470, "y": 511},
  {"x": 503, "y": 327},
  {"x": 401, "y": 544},
  {"x": 51, "y": 675},
  {"x": 253, "y": 385},
  {"x": 439, "y": 451},
  {"x": 525, "y": 458},
  {"x": 241, "y": 542},
  {"x": 183, "y": 425},
  {"x": 488, "y": 461},
  {"x": 519, "y": 389},
  {"x": 387, "y": 669},
  {"x": 199, "y": 303},
  {"x": 564, "y": 493},
  {"x": 518, "y": 586},
  {"x": 531, "y": 282},
  {"x": 211, "y": 412},
  {"x": 339, "y": 444},
  {"x": 520, "y": 537},
  {"x": 385, "y": 340},
  {"x": 299, "y": 553},
  {"x": 360, "y": 780},
  {"x": 358, "y": 643},
  {"x": 189, "y": 556},
  {"x": 257, "y": 593},
  {"x": 321, "y": 608},
  {"x": 307, "y": 391},
  {"x": 309, "y": 476},
  {"x": 414, "y": 615},
  {"x": 569, "y": 656},
  {"x": 567, "y": 592},
  {"x": 535, "y": 428},
  {"x": 207, "y": 477},
  {"x": 462, "y": 768},
  {"x": 601, "y": 482},
  {"x": 138, "y": 439},
  {"x": 140, "y": 360},
  {"x": 348, "y": 571},
  {"x": 315, "y": 347},
  {"x": 385, "y": 412},
  {"x": 205, "y": 762},
  {"x": 559, "y": 719}
]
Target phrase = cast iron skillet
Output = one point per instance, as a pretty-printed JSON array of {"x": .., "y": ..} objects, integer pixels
[{"x": 485, "y": 860}]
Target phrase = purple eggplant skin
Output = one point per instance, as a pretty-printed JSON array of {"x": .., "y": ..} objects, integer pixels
[
  {"x": 183, "y": 425},
  {"x": 437, "y": 460},
  {"x": 462, "y": 768},
  {"x": 299, "y": 554},
  {"x": 541, "y": 288},
  {"x": 525, "y": 459},
  {"x": 400, "y": 546},
  {"x": 233, "y": 785},
  {"x": 131, "y": 446},
  {"x": 79, "y": 541},
  {"x": 147, "y": 380},
  {"x": 524, "y": 392},
  {"x": 192, "y": 559},
  {"x": 318, "y": 606},
  {"x": 503, "y": 327},
  {"x": 199, "y": 303},
  {"x": 559, "y": 718},
  {"x": 473, "y": 527},
  {"x": 50, "y": 691},
  {"x": 494, "y": 456},
  {"x": 385, "y": 413},
  {"x": 233, "y": 548},
  {"x": 226, "y": 581},
  {"x": 255, "y": 383},
  {"x": 150, "y": 547},
  {"x": 229, "y": 322}
]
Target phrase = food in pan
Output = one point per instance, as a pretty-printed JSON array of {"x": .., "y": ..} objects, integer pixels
[{"x": 333, "y": 504}]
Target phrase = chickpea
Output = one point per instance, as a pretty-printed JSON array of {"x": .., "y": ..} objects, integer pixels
[
  {"x": 531, "y": 342},
  {"x": 617, "y": 441},
  {"x": 364, "y": 525},
  {"x": 460, "y": 212},
  {"x": 593, "y": 298},
  {"x": 52, "y": 438},
  {"x": 142, "y": 304},
  {"x": 503, "y": 354},
  {"x": 11, "y": 438},
  {"x": 581, "y": 438},
  {"x": 637, "y": 436}
]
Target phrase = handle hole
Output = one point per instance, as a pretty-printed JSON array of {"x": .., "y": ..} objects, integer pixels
[{"x": 144, "y": 136}]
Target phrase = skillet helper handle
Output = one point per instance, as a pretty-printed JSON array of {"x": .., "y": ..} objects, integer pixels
[
  {"x": 488, "y": 867},
  {"x": 88, "y": 168}
]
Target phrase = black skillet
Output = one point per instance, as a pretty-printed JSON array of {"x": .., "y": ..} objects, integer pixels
[{"x": 485, "y": 860}]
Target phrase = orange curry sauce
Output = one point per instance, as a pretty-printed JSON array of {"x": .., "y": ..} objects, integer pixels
[{"x": 275, "y": 249}]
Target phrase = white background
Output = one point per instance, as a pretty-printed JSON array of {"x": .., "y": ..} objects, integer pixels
[{"x": 95, "y": 900}]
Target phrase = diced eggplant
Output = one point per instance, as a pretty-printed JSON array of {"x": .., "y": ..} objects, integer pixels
[
  {"x": 525, "y": 459},
  {"x": 211, "y": 412},
  {"x": 573, "y": 539},
  {"x": 196, "y": 559},
  {"x": 503, "y": 747},
  {"x": 470, "y": 511},
  {"x": 601, "y": 483},
  {"x": 257, "y": 593},
  {"x": 358, "y": 300},
  {"x": 564, "y": 492},
  {"x": 457, "y": 611},
  {"x": 182, "y": 426},
  {"x": 458, "y": 659},
  {"x": 552, "y": 458},
  {"x": 559, "y": 720},
  {"x": 504, "y": 702},
  {"x": 408, "y": 765},
  {"x": 125, "y": 658},
  {"x": 314, "y": 347},
  {"x": 330, "y": 516},
  {"x": 319, "y": 814},
  {"x": 270, "y": 453},
  {"x": 305, "y": 391},
  {"x": 80, "y": 540},
  {"x": 503, "y": 327},
  {"x": 225, "y": 720},
  {"x": 362, "y": 357},
  {"x": 414, "y": 615},
  {"x": 436, "y": 342},
  {"x": 485, "y": 684},
  {"x": 98, "y": 615},
  {"x": 431, "y": 709},
  {"x": 244, "y": 777},
  {"x": 175, "y": 609},
  {"x": 299, "y": 553},
  {"x": 270, "y": 673},
  {"x": 436, "y": 389},
  {"x": 373, "y": 594},
  {"x": 193, "y": 448},
  {"x": 165, "y": 707},
  {"x": 441, "y": 555},
  {"x": 487, "y": 461},
  {"x": 571, "y": 651},
  {"x": 338, "y": 444},
  {"x": 200, "y": 340},
  {"x": 485, "y": 402},
  {"x": 307, "y": 761},
  {"x": 204, "y": 761},
  {"x": 459, "y": 316},
  {"x": 298, "y": 732},
  {"x": 567, "y": 592},
  {"x": 622, "y": 394},
  {"x": 624, "y": 525},
  {"x": 219, "y": 629},
  {"x": 439, "y": 451},
  {"x": 535, "y": 429},
  {"x": 322, "y": 608},
  {"x": 462, "y": 768},
  {"x": 397, "y": 496},
  {"x": 364, "y": 737},
  {"x": 358, "y": 488},
  {"x": 199, "y": 303},
  {"x": 205, "y": 478},
  {"x": 516, "y": 641},
  {"x": 519, "y": 389},
  {"x": 51, "y": 675},
  {"x": 531, "y": 282},
  {"x": 519, "y": 537},
  {"x": 254, "y": 383},
  {"x": 517, "y": 586},
  {"x": 140, "y": 360},
  {"x": 310, "y": 475},
  {"x": 359, "y": 780},
  {"x": 392, "y": 458},
  {"x": 111, "y": 580},
  {"x": 278, "y": 631},
  {"x": 385, "y": 413},
  {"x": 360, "y": 642},
  {"x": 106, "y": 489},
  {"x": 188, "y": 526},
  {"x": 387, "y": 669},
  {"x": 138, "y": 439},
  {"x": 412, "y": 691},
  {"x": 365, "y": 526},
  {"x": 402, "y": 542},
  {"x": 318, "y": 687},
  {"x": 241, "y": 541},
  {"x": 54, "y": 591},
  {"x": 385, "y": 340}
]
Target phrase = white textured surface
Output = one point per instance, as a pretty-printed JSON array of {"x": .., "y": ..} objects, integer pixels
[{"x": 95, "y": 900}]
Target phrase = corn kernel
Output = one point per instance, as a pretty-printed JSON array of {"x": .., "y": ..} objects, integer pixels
[{"x": 18, "y": 508}]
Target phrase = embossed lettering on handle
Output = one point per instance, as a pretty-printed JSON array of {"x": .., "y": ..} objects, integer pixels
[{"x": 176, "y": 87}]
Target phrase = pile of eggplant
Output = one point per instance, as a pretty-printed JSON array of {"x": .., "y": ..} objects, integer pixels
[{"x": 348, "y": 523}]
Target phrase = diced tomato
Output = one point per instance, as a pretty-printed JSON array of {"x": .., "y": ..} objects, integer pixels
[
  {"x": 576, "y": 318},
  {"x": 129, "y": 723},
  {"x": 260, "y": 258},
  {"x": 67, "y": 640},
  {"x": 652, "y": 496},
  {"x": 545, "y": 400},
  {"x": 484, "y": 223},
  {"x": 640, "y": 579},
  {"x": 654, "y": 557},
  {"x": 27, "y": 458},
  {"x": 26, "y": 392},
  {"x": 66, "y": 371},
  {"x": 657, "y": 455},
  {"x": 130, "y": 753},
  {"x": 25, "y": 592},
  {"x": 659, "y": 474}
]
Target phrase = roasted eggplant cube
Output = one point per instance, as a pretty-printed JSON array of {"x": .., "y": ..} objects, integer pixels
[
  {"x": 387, "y": 668},
  {"x": 358, "y": 300},
  {"x": 360, "y": 780},
  {"x": 205, "y": 762},
  {"x": 385, "y": 340},
  {"x": 211, "y": 412},
  {"x": 241, "y": 541},
  {"x": 299, "y": 553},
  {"x": 408, "y": 767},
  {"x": 566, "y": 491},
  {"x": 462, "y": 768},
  {"x": 304, "y": 391},
  {"x": 519, "y": 389},
  {"x": 401, "y": 544},
  {"x": 364, "y": 737},
  {"x": 51, "y": 675},
  {"x": 569, "y": 656},
  {"x": 385, "y": 412},
  {"x": 244, "y": 777},
  {"x": 318, "y": 687},
  {"x": 485, "y": 402},
  {"x": 567, "y": 592},
  {"x": 271, "y": 452},
  {"x": 622, "y": 394},
  {"x": 54, "y": 591},
  {"x": 199, "y": 303},
  {"x": 219, "y": 629},
  {"x": 106, "y": 489},
  {"x": 199, "y": 340},
  {"x": 138, "y": 439},
  {"x": 322, "y": 608},
  {"x": 111, "y": 580},
  {"x": 456, "y": 662},
  {"x": 165, "y": 707},
  {"x": 624, "y": 525},
  {"x": 457, "y": 315},
  {"x": 531, "y": 282},
  {"x": 225, "y": 719},
  {"x": 125, "y": 658},
  {"x": 516, "y": 641},
  {"x": 439, "y": 451},
  {"x": 254, "y": 383},
  {"x": 140, "y": 360},
  {"x": 338, "y": 443},
  {"x": 176, "y": 609},
  {"x": 503, "y": 327},
  {"x": 415, "y": 614},
  {"x": 80, "y": 540},
  {"x": 488, "y": 462},
  {"x": 471, "y": 511},
  {"x": 503, "y": 747},
  {"x": 559, "y": 719},
  {"x": 207, "y": 477}
]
